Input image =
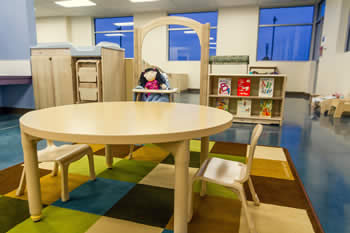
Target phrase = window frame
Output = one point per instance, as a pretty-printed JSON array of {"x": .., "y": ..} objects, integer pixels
[
  {"x": 113, "y": 31},
  {"x": 318, "y": 21},
  {"x": 187, "y": 29},
  {"x": 347, "y": 45},
  {"x": 312, "y": 24}
]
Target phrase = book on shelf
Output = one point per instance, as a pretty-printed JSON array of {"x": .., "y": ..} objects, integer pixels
[
  {"x": 222, "y": 103},
  {"x": 243, "y": 87},
  {"x": 224, "y": 87},
  {"x": 266, "y": 87},
  {"x": 265, "y": 108},
  {"x": 244, "y": 107}
]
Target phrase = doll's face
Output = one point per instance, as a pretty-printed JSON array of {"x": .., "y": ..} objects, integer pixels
[{"x": 150, "y": 75}]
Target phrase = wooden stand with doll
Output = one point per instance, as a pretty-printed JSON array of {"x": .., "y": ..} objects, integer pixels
[{"x": 154, "y": 87}]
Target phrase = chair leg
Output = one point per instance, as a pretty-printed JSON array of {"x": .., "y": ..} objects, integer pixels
[
  {"x": 91, "y": 165},
  {"x": 252, "y": 191},
  {"x": 55, "y": 169},
  {"x": 22, "y": 184},
  {"x": 250, "y": 222},
  {"x": 64, "y": 182},
  {"x": 131, "y": 150}
]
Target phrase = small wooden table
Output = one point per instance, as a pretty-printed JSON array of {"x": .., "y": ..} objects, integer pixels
[
  {"x": 169, "y": 125},
  {"x": 340, "y": 105}
]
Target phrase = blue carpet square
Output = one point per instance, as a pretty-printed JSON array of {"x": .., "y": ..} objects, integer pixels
[
  {"x": 96, "y": 197},
  {"x": 167, "y": 231}
]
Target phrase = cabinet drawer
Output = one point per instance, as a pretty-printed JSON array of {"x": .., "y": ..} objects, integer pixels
[
  {"x": 88, "y": 94},
  {"x": 87, "y": 74}
]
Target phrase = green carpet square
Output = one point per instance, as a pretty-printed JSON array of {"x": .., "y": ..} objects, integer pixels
[
  {"x": 56, "y": 219},
  {"x": 81, "y": 166},
  {"x": 12, "y": 212},
  {"x": 128, "y": 170}
]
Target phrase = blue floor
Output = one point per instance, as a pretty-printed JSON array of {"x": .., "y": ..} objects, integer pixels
[{"x": 319, "y": 146}]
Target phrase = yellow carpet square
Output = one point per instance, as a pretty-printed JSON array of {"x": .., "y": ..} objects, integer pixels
[
  {"x": 96, "y": 147},
  {"x": 51, "y": 187},
  {"x": 276, "y": 219},
  {"x": 271, "y": 168},
  {"x": 113, "y": 225},
  {"x": 150, "y": 152}
]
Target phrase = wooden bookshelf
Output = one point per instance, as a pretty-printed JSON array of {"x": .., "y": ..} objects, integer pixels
[{"x": 278, "y": 97}]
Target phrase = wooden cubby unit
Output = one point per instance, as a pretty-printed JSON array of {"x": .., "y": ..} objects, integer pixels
[{"x": 277, "y": 98}]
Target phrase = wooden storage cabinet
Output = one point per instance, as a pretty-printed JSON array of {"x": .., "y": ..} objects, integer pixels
[
  {"x": 277, "y": 98},
  {"x": 52, "y": 78},
  {"x": 59, "y": 80}
]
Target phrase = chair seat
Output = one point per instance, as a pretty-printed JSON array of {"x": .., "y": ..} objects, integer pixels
[
  {"x": 61, "y": 153},
  {"x": 222, "y": 171}
]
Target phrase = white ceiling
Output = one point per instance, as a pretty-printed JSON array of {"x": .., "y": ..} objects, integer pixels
[{"x": 110, "y": 8}]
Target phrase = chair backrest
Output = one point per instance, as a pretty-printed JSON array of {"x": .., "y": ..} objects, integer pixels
[{"x": 253, "y": 141}]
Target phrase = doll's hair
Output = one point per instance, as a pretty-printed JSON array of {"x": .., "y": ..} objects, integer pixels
[{"x": 143, "y": 80}]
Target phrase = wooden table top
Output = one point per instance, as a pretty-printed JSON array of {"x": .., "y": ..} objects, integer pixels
[{"x": 125, "y": 122}]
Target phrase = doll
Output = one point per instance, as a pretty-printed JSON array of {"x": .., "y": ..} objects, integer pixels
[{"x": 151, "y": 79}]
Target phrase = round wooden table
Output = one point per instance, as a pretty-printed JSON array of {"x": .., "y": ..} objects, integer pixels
[{"x": 169, "y": 125}]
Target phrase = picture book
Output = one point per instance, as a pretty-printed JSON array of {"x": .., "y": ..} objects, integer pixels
[
  {"x": 222, "y": 103},
  {"x": 266, "y": 87},
  {"x": 243, "y": 87},
  {"x": 224, "y": 86},
  {"x": 244, "y": 107},
  {"x": 265, "y": 108}
]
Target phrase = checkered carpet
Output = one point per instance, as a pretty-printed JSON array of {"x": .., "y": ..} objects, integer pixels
[{"x": 138, "y": 195}]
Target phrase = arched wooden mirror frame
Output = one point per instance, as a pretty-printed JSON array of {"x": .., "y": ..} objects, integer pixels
[{"x": 203, "y": 32}]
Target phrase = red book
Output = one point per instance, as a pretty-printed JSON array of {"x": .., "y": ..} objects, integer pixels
[{"x": 243, "y": 88}]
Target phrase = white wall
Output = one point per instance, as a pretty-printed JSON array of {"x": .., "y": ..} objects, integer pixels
[
  {"x": 52, "y": 29},
  {"x": 78, "y": 30},
  {"x": 333, "y": 72},
  {"x": 82, "y": 31}
]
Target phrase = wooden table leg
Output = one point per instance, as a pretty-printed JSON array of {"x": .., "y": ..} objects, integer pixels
[
  {"x": 109, "y": 157},
  {"x": 32, "y": 176},
  {"x": 338, "y": 110},
  {"x": 181, "y": 152},
  {"x": 203, "y": 157}
]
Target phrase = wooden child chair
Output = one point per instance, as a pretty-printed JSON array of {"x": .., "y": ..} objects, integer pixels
[
  {"x": 62, "y": 156},
  {"x": 232, "y": 175}
]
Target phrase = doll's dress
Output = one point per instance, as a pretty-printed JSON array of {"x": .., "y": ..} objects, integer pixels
[{"x": 152, "y": 85}]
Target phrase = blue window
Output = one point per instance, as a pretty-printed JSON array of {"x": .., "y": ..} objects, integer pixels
[
  {"x": 118, "y": 30},
  {"x": 285, "y": 33},
  {"x": 184, "y": 43}
]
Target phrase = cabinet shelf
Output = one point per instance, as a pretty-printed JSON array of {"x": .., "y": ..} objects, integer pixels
[{"x": 245, "y": 97}]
